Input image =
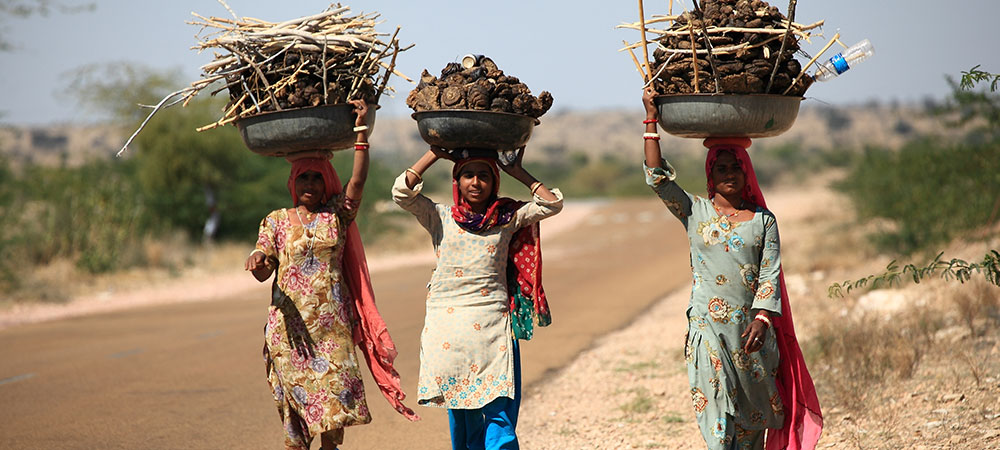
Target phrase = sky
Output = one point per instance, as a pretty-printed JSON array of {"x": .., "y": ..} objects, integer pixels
[{"x": 569, "y": 48}]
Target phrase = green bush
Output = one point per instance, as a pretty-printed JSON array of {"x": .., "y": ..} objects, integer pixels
[
  {"x": 929, "y": 191},
  {"x": 89, "y": 213}
]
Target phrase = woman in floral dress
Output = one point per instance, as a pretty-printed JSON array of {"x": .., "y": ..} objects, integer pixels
[
  {"x": 482, "y": 296},
  {"x": 322, "y": 304},
  {"x": 745, "y": 368}
]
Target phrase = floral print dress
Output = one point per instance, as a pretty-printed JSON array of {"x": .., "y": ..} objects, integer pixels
[
  {"x": 309, "y": 348},
  {"x": 735, "y": 268},
  {"x": 466, "y": 354}
]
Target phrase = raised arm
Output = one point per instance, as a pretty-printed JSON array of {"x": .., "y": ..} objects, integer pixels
[
  {"x": 407, "y": 187},
  {"x": 359, "y": 174},
  {"x": 545, "y": 202},
  {"x": 659, "y": 174},
  {"x": 516, "y": 170},
  {"x": 415, "y": 174},
  {"x": 651, "y": 147}
]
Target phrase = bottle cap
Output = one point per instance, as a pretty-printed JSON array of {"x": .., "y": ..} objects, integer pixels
[{"x": 469, "y": 61}]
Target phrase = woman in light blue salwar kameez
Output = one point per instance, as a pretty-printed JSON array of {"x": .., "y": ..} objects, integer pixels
[{"x": 731, "y": 351}]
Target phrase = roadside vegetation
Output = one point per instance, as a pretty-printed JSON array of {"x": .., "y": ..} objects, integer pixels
[{"x": 916, "y": 360}]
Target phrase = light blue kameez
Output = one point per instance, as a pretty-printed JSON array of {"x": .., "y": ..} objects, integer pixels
[{"x": 735, "y": 268}]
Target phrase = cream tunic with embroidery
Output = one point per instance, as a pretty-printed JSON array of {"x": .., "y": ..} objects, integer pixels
[{"x": 466, "y": 359}]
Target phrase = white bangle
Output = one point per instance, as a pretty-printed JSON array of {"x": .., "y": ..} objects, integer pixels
[
  {"x": 764, "y": 319},
  {"x": 255, "y": 251},
  {"x": 650, "y": 135},
  {"x": 360, "y": 128}
]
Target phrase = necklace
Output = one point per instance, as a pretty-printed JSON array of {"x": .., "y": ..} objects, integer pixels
[
  {"x": 311, "y": 261},
  {"x": 734, "y": 214}
]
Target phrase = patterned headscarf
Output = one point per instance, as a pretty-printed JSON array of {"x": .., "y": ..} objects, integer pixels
[
  {"x": 524, "y": 263},
  {"x": 370, "y": 331},
  {"x": 803, "y": 418}
]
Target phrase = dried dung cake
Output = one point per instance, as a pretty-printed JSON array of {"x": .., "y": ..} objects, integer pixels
[
  {"x": 476, "y": 84},
  {"x": 745, "y": 38}
]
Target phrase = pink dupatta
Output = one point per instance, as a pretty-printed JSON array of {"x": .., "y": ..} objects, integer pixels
[
  {"x": 803, "y": 418},
  {"x": 370, "y": 331}
]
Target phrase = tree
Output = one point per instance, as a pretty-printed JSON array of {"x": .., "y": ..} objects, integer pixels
[
  {"x": 27, "y": 8},
  {"x": 205, "y": 183}
]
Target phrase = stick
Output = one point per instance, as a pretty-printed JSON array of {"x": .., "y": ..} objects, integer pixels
[
  {"x": 229, "y": 9},
  {"x": 156, "y": 108},
  {"x": 836, "y": 37},
  {"x": 784, "y": 43},
  {"x": 396, "y": 72},
  {"x": 655, "y": 19},
  {"x": 392, "y": 65},
  {"x": 719, "y": 30},
  {"x": 694, "y": 61},
  {"x": 658, "y": 72},
  {"x": 717, "y": 51},
  {"x": 708, "y": 44},
  {"x": 321, "y": 15},
  {"x": 645, "y": 45},
  {"x": 638, "y": 67},
  {"x": 326, "y": 93}
]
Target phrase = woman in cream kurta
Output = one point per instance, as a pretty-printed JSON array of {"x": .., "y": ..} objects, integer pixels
[{"x": 467, "y": 352}]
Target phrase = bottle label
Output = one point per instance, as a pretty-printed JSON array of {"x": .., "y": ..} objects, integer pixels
[{"x": 839, "y": 63}]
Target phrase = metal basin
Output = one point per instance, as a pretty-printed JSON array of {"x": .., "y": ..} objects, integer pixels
[
  {"x": 474, "y": 129},
  {"x": 727, "y": 115},
  {"x": 280, "y": 133}
]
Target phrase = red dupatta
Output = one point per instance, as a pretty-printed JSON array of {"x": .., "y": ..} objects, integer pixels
[
  {"x": 370, "y": 331},
  {"x": 803, "y": 418}
]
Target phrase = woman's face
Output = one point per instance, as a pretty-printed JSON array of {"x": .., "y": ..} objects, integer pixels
[
  {"x": 727, "y": 176},
  {"x": 475, "y": 183},
  {"x": 309, "y": 188}
]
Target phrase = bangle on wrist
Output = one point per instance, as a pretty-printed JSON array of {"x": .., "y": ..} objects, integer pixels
[
  {"x": 763, "y": 318},
  {"x": 534, "y": 187},
  {"x": 414, "y": 172},
  {"x": 653, "y": 136},
  {"x": 649, "y": 121},
  {"x": 255, "y": 251},
  {"x": 360, "y": 128}
]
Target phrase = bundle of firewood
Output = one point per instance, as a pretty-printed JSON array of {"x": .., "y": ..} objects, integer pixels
[
  {"x": 728, "y": 46},
  {"x": 323, "y": 59},
  {"x": 476, "y": 84}
]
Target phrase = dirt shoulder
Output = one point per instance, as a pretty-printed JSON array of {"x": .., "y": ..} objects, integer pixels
[{"x": 932, "y": 379}]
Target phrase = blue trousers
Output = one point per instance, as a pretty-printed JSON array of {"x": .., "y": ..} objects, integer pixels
[{"x": 492, "y": 426}]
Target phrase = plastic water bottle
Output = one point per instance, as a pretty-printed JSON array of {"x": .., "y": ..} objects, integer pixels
[{"x": 845, "y": 60}]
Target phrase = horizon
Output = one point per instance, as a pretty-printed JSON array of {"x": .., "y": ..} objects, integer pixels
[{"x": 568, "y": 51}]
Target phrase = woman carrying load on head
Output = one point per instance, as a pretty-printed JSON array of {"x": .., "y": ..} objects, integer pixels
[
  {"x": 322, "y": 304},
  {"x": 482, "y": 295},
  {"x": 745, "y": 369}
]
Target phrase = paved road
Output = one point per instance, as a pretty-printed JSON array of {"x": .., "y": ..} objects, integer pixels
[{"x": 191, "y": 376}]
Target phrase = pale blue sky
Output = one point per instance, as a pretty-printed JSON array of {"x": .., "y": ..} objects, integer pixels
[{"x": 566, "y": 47}]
